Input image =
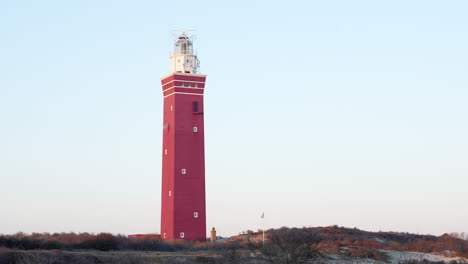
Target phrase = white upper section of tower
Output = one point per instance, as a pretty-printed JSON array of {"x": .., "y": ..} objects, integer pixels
[{"x": 183, "y": 60}]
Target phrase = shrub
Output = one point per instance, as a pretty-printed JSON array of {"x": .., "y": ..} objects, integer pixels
[
  {"x": 359, "y": 252},
  {"x": 103, "y": 242},
  {"x": 288, "y": 245}
]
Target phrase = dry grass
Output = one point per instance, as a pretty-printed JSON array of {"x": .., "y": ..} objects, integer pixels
[{"x": 8, "y": 256}]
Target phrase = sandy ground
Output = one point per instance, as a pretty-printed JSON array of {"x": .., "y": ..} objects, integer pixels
[{"x": 398, "y": 256}]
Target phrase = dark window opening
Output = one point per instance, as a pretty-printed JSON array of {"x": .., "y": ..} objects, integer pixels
[{"x": 195, "y": 107}]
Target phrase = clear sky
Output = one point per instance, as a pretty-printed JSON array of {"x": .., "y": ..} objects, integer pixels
[{"x": 317, "y": 113}]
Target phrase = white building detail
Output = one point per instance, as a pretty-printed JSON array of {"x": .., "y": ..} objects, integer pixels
[{"x": 183, "y": 60}]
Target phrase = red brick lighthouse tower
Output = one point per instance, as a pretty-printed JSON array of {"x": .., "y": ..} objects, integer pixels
[{"x": 183, "y": 213}]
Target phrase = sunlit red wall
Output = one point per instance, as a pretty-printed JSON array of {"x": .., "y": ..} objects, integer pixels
[{"x": 183, "y": 213}]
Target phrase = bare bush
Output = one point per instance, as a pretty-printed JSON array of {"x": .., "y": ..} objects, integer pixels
[
  {"x": 130, "y": 258},
  {"x": 462, "y": 235},
  {"x": 359, "y": 252},
  {"x": 36, "y": 258},
  {"x": 177, "y": 260},
  {"x": 287, "y": 246}
]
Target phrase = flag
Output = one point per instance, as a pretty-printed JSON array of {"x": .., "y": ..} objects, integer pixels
[{"x": 263, "y": 215}]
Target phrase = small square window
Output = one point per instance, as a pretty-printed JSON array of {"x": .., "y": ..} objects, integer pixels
[
  {"x": 164, "y": 235},
  {"x": 170, "y": 193},
  {"x": 165, "y": 152},
  {"x": 195, "y": 129},
  {"x": 184, "y": 171},
  {"x": 195, "y": 215},
  {"x": 196, "y": 84},
  {"x": 171, "y": 107},
  {"x": 182, "y": 235}
]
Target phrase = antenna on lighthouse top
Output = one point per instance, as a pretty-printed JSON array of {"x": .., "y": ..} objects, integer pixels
[
  {"x": 184, "y": 30},
  {"x": 189, "y": 34},
  {"x": 183, "y": 57},
  {"x": 178, "y": 31}
]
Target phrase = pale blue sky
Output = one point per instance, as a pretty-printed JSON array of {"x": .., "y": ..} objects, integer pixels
[{"x": 317, "y": 113}]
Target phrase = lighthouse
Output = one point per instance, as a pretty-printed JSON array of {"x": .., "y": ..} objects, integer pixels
[{"x": 183, "y": 213}]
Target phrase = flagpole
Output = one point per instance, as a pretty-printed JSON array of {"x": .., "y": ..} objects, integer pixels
[
  {"x": 263, "y": 228},
  {"x": 263, "y": 235}
]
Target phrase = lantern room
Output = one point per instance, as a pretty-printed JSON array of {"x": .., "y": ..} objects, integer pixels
[{"x": 183, "y": 59}]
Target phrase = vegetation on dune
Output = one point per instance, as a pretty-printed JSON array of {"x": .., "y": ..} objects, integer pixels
[
  {"x": 352, "y": 241},
  {"x": 85, "y": 241},
  {"x": 425, "y": 261},
  {"x": 284, "y": 245},
  {"x": 287, "y": 245}
]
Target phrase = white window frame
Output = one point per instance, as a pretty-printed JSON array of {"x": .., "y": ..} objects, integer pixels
[
  {"x": 182, "y": 235},
  {"x": 195, "y": 129},
  {"x": 170, "y": 193},
  {"x": 184, "y": 171},
  {"x": 195, "y": 214},
  {"x": 165, "y": 151}
]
